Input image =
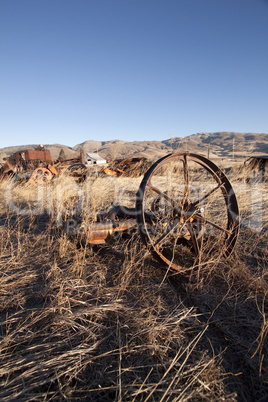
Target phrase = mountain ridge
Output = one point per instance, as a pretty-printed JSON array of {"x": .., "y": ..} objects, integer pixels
[{"x": 217, "y": 145}]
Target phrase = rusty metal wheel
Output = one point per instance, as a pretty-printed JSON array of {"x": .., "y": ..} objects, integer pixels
[
  {"x": 187, "y": 211},
  {"x": 78, "y": 171},
  {"x": 41, "y": 176}
]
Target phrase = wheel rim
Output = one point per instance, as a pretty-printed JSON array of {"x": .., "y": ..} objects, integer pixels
[
  {"x": 187, "y": 211},
  {"x": 41, "y": 176},
  {"x": 78, "y": 171}
]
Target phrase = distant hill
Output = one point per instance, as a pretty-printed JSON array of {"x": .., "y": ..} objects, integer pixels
[
  {"x": 220, "y": 144},
  {"x": 216, "y": 145}
]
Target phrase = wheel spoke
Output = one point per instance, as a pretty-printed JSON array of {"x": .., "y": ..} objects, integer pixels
[
  {"x": 186, "y": 176},
  {"x": 198, "y": 202},
  {"x": 159, "y": 192},
  {"x": 172, "y": 228},
  {"x": 194, "y": 239},
  {"x": 167, "y": 232},
  {"x": 205, "y": 220}
]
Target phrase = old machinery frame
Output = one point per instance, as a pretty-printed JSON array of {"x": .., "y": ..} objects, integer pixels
[{"x": 186, "y": 213}]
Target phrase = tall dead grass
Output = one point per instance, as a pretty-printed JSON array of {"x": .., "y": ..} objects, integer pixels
[{"x": 109, "y": 324}]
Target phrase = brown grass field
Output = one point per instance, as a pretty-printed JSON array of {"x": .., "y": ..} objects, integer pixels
[{"x": 109, "y": 323}]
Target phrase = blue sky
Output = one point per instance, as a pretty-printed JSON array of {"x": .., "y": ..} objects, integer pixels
[{"x": 74, "y": 70}]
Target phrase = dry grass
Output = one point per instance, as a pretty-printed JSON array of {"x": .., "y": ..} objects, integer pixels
[{"x": 109, "y": 324}]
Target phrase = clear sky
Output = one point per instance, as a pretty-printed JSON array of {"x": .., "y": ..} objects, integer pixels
[{"x": 74, "y": 70}]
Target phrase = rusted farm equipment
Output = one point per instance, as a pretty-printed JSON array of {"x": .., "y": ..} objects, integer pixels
[
  {"x": 26, "y": 161},
  {"x": 36, "y": 166},
  {"x": 186, "y": 213},
  {"x": 129, "y": 167},
  {"x": 74, "y": 166}
]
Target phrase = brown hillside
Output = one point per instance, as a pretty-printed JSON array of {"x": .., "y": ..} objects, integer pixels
[{"x": 219, "y": 144}]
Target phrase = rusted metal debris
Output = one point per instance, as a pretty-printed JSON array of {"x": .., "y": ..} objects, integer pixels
[
  {"x": 36, "y": 165},
  {"x": 25, "y": 161},
  {"x": 116, "y": 219},
  {"x": 130, "y": 167},
  {"x": 186, "y": 213}
]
